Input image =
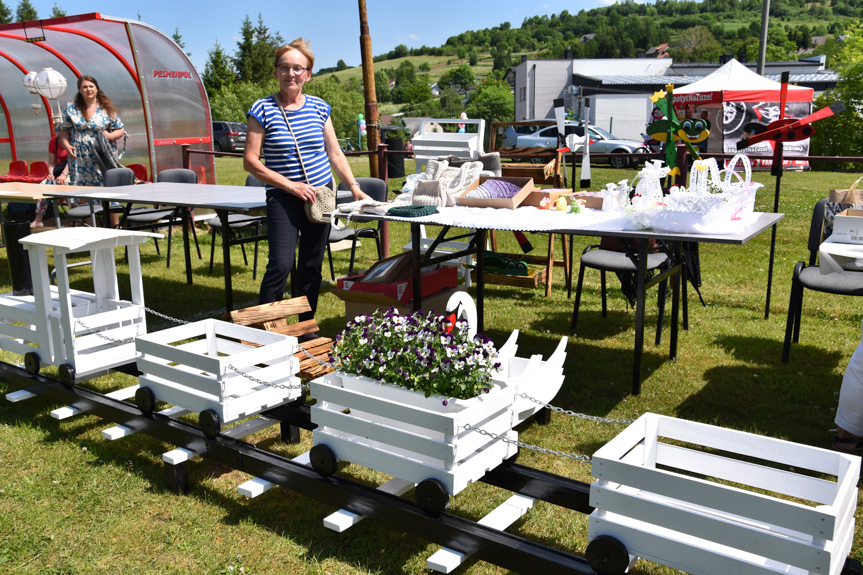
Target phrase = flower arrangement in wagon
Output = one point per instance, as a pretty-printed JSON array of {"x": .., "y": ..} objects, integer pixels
[{"x": 422, "y": 352}]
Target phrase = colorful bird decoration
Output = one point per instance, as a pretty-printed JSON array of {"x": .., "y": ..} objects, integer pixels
[
  {"x": 786, "y": 129},
  {"x": 789, "y": 129},
  {"x": 671, "y": 129}
]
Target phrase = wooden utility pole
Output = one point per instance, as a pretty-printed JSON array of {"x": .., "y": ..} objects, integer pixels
[{"x": 372, "y": 120}]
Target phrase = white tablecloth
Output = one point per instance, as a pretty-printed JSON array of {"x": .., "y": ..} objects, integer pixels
[
  {"x": 833, "y": 256},
  {"x": 530, "y": 219}
]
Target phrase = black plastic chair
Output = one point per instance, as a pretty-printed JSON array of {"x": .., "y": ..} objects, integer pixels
[
  {"x": 154, "y": 218},
  {"x": 606, "y": 260},
  {"x": 377, "y": 190},
  {"x": 810, "y": 277},
  {"x": 237, "y": 222},
  {"x": 112, "y": 178}
]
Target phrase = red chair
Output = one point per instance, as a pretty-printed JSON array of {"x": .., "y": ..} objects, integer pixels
[
  {"x": 38, "y": 173},
  {"x": 140, "y": 171},
  {"x": 17, "y": 171}
]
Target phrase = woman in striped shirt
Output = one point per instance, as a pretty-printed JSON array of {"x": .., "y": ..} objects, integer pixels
[{"x": 288, "y": 186}]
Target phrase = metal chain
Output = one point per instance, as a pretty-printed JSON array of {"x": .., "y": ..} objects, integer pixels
[
  {"x": 129, "y": 339},
  {"x": 267, "y": 383},
  {"x": 523, "y": 445},
  {"x": 163, "y": 316},
  {"x": 575, "y": 414},
  {"x": 103, "y": 336},
  {"x": 315, "y": 359}
]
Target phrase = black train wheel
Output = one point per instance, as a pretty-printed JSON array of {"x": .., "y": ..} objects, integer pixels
[
  {"x": 210, "y": 422},
  {"x": 32, "y": 363},
  {"x": 145, "y": 399},
  {"x": 67, "y": 375},
  {"x": 607, "y": 556},
  {"x": 432, "y": 496},
  {"x": 323, "y": 460}
]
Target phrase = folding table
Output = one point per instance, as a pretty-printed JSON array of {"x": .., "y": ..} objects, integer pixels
[
  {"x": 602, "y": 224},
  {"x": 221, "y": 199}
]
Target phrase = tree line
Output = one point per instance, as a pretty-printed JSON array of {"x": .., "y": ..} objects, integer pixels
[{"x": 25, "y": 12}]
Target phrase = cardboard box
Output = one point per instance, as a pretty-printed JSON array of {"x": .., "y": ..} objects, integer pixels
[
  {"x": 848, "y": 227},
  {"x": 592, "y": 200},
  {"x": 526, "y": 185},
  {"x": 433, "y": 281},
  {"x": 389, "y": 269},
  {"x": 535, "y": 197},
  {"x": 357, "y": 302}
]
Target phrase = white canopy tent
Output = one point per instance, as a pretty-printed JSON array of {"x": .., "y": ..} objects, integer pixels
[{"x": 744, "y": 98}]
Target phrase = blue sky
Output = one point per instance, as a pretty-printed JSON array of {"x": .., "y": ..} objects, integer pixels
[{"x": 331, "y": 25}]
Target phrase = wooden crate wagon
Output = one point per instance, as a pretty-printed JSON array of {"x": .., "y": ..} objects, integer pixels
[
  {"x": 85, "y": 334},
  {"x": 710, "y": 500},
  {"x": 223, "y": 371},
  {"x": 430, "y": 144},
  {"x": 419, "y": 439}
]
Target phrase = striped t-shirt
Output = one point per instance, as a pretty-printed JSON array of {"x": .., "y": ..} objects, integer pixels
[{"x": 279, "y": 148}]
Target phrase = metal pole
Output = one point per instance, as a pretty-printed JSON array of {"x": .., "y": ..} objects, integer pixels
[{"x": 762, "y": 46}]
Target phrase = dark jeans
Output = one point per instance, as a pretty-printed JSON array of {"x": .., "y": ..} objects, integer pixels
[{"x": 287, "y": 225}]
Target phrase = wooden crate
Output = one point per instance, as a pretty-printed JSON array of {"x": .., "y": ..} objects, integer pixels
[
  {"x": 405, "y": 434},
  {"x": 191, "y": 366},
  {"x": 709, "y": 500}
]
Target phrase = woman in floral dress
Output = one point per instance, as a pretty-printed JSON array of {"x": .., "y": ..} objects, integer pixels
[{"x": 92, "y": 111}]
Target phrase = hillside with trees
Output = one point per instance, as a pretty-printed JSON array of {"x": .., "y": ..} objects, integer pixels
[{"x": 468, "y": 69}]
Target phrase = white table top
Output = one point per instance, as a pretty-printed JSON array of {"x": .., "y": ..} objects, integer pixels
[
  {"x": 24, "y": 192},
  {"x": 215, "y": 197},
  {"x": 71, "y": 240},
  {"x": 832, "y": 256},
  {"x": 587, "y": 223}
]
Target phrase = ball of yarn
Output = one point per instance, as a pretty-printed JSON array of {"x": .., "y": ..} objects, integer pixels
[{"x": 494, "y": 190}]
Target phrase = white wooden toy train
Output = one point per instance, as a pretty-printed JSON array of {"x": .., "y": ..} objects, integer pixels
[{"x": 695, "y": 497}]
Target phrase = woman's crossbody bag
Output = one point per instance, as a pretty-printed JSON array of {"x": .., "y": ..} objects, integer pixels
[{"x": 325, "y": 196}]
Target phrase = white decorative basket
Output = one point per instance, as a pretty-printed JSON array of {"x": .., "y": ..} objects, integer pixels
[
  {"x": 188, "y": 366},
  {"x": 709, "y": 500}
]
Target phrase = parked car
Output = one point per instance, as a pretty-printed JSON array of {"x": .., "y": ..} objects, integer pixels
[
  {"x": 601, "y": 142},
  {"x": 511, "y": 134},
  {"x": 229, "y": 136}
]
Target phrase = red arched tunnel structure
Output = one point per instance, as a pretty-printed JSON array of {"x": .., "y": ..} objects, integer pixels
[{"x": 152, "y": 82}]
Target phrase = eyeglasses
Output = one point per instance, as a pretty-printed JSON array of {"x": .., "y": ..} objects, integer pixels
[{"x": 285, "y": 70}]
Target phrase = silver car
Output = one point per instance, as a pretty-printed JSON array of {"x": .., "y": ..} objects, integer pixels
[{"x": 601, "y": 142}]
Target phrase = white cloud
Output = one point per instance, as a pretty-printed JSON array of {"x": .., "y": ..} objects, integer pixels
[{"x": 413, "y": 37}]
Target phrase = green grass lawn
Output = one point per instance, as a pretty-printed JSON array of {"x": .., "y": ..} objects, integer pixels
[{"x": 72, "y": 502}]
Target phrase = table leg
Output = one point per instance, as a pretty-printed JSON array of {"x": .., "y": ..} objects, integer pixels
[
  {"x": 676, "y": 279},
  {"x": 226, "y": 256},
  {"x": 567, "y": 260},
  {"x": 770, "y": 268},
  {"x": 549, "y": 265},
  {"x": 106, "y": 215},
  {"x": 639, "y": 316},
  {"x": 416, "y": 267},
  {"x": 480, "y": 281},
  {"x": 2, "y": 233},
  {"x": 184, "y": 215}
]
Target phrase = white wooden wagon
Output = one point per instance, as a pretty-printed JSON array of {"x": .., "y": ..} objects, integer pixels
[
  {"x": 84, "y": 333},
  {"x": 223, "y": 371},
  {"x": 419, "y": 439},
  {"x": 709, "y": 500}
]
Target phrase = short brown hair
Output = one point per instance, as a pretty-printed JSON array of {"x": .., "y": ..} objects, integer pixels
[{"x": 302, "y": 46}]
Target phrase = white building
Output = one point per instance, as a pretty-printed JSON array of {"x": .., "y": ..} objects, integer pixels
[{"x": 618, "y": 88}]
